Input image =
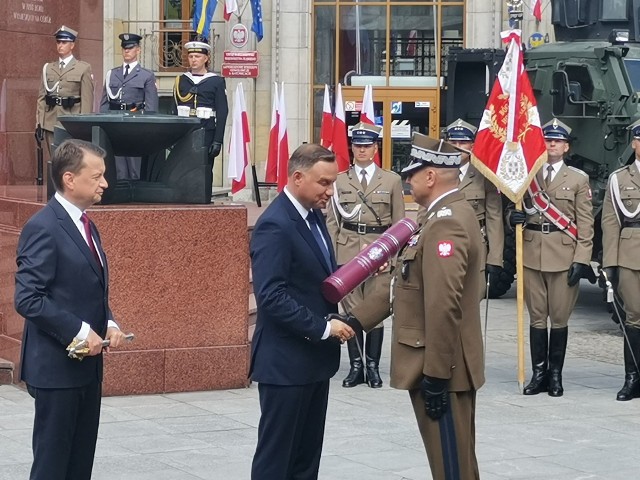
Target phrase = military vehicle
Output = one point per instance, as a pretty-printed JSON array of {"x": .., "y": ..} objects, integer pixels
[{"x": 589, "y": 78}]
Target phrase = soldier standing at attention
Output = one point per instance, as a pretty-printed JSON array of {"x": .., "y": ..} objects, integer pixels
[
  {"x": 621, "y": 262},
  {"x": 481, "y": 194},
  {"x": 66, "y": 88},
  {"x": 129, "y": 88},
  {"x": 558, "y": 234},
  {"x": 367, "y": 200}
]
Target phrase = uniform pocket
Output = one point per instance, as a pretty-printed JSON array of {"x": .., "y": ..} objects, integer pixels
[
  {"x": 381, "y": 198},
  {"x": 410, "y": 336}
]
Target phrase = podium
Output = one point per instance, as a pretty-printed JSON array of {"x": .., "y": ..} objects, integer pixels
[{"x": 175, "y": 169}]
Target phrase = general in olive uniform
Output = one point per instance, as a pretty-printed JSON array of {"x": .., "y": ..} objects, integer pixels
[
  {"x": 367, "y": 200},
  {"x": 66, "y": 87},
  {"x": 621, "y": 258},
  {"x": 129, "y": 88},
  {"x": 204, "y": 93},
  {"x": 558, "y": 234},
  {"x": 481, "y": 194},
  {"x": 436, "y": 351}
]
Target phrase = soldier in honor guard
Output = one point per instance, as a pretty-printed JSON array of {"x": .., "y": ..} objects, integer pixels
[
  {"x": 558, "y": 234},
  {"x": 66, "y": 88},
  {"x": 129, "y": 88},
  {"x": 366, "y": 201},
  {"x": 205, "y": 95},
  {"x": 436, "y": 351},
  {"x": 481, "y": 194},
  {"x": 621, "y": 262}
]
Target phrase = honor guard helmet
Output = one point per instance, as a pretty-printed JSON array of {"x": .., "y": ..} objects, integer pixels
[
  {"x": 429, "y": 152},
  {"x": 461, "y": 131},
  {"x": 635, "y": 129},
  {"x": 365, "y": 134},
  {"x": 128, "y": 40},
  {"x": 198, "y": 47},
  {"x": 66, "y": 34},
  {"x": 556, "y": 130}
]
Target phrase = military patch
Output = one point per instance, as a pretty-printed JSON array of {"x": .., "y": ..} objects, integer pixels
[
  {"x": 444, "y": 212},
  {"x": 413, "y": 241},
  {"x": 445, "y": 248}
]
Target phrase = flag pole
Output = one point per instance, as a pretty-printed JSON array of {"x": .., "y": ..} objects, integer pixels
[{"x": 520, "y": 300}]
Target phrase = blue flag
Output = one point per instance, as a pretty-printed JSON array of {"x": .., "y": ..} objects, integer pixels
[
  {"x": 256, "y": 26},
  {"x": 202, "y": 16}
]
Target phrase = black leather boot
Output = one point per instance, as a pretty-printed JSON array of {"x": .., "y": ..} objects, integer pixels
[
  {"x": 538, "y": 341},
  {"x": 356, "y": 374},
  {"x": 631, "y": 387},
  {"x": 557, "y": 350},
  {"x": 373, "y": 352}
]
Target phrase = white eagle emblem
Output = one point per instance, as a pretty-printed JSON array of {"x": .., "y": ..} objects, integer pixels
[
  {"x": 375, "y": 253},
  {"x": 445, "y": 248}
]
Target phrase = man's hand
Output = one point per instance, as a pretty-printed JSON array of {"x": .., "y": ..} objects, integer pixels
[
  {"x": 493, "y": 271},
  {"x": 214, "y": 149},
  {"x": 349, "y": 319},
  {"x": 94, "y": 343},
  {"x": 340, "y": 329},
  {"x": 115, "y": 336},
  {"x": 612, "y": 275},
  {"x": 578, "y": 271},
  {"x": 436, "y": 396},
  {"x": 517, "y": 217}
]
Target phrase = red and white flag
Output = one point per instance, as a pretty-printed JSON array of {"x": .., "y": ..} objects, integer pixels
[
  {"x": 283, "y": 142},
  {"x": 509, "y": 148},
  {"x": 536, "y": 9},
  {"x": 340, "y": 144},
  {"x": 326, "y": 127},
  {"x": 367, "y": 115},
  {"x": 271, "y": 174},
  {"x": 238, "y": 142},
  {"x": 230, "y": 6}
]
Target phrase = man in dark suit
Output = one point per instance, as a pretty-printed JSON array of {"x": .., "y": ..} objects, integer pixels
[
  {"x": 62, "y": 291},
  {"x": 294, "y": 350}
]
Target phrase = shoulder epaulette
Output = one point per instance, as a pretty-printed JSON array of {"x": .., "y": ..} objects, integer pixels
[{"x": 577, "y": 170}]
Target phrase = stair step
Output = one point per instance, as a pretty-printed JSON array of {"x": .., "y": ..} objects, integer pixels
[{"x": 6, "y": 372}]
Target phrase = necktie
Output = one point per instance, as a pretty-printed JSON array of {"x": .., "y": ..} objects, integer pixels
[
  {"x": 126, "y": 70},
  {"x": 61, "y": 65},
  {"x": 317, "y": 235},
  {"x": 550, "y": 173},
  {"x": 363, "y": 181},
  {"x": 87, "y": 231}
]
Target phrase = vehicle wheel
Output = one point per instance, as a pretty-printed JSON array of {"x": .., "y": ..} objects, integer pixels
[{"x": 501, "y": 285}]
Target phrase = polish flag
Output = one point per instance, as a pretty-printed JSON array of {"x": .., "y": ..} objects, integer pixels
[
  {"x": 271, "y": 174},
  {"x": 340, "y": 144},
  {"x": 536, "y": 9},
  {"x": 326, "y": 127},
  {"x": 238, "y": 152},
  {"x": 230, "y": 6},
  {"x": 367, "y": 114},
  {"x": 283, "y": 142}
]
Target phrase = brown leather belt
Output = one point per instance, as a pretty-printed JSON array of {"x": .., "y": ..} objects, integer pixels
[
  {"x": 542, "y": 227},
  {"x": 363, "y": 229}
]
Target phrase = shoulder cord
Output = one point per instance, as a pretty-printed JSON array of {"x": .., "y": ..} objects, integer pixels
[
  {"x": 44, "y": 81},
  {"x": 110, "y": 94},
  {"x": 183, "y": 99}
]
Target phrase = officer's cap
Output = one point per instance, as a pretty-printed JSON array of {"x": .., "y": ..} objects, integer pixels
[
  {"x": 128, "y": 40},
  {"x": 556, "y": 130},
  {"x": 461, "y": 131},
  {"x": 635, "y": 129},
  {"x": 66, "y": 34},
  {"x": 365, "y": 134},
  {"x": 198, "y": 47},
  {"x": 429, "y": 152}
]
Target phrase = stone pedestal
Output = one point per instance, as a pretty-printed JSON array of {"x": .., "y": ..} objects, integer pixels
[{"x": 179, "y": 280}]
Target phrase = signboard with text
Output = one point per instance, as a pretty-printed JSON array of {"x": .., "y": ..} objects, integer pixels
[
  {"x": 231, "y": 70},
  {"x": 232, "y": 56}
]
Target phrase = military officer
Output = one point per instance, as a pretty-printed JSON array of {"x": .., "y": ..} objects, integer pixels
[
  {"x": 621, "y": 240},
  {"x": 558, "y": 234},
  {"x": 367, "y": 200},
  {"x": 436, "y": 353},
  {"x": 481, "y": 194},
  {"x": 67, "y": 86},
  {"x": 129, "y": 87},
  {"x": 205, "y": 95}
]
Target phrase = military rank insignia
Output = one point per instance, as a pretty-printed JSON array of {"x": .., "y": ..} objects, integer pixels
[
  {"x": 413, "y": 241},
  {"x": 444, "y": 212}
]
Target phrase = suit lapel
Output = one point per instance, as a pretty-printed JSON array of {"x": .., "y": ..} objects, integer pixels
[
  {"x": 70, "y": 66},
  {"x": 117, "y": 72},
  {"x": 468, "y": 177},
  {"x": 375, "y": 182},
  {"x": 558, "y": 179}
]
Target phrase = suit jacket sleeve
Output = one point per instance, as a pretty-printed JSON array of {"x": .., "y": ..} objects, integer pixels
[
  {"x": 150, "y": 94},
  {"x": 375, "y": 307},
  {"x": 494, "y": 224},
  {"x": 610, "y": 230},
  {"x": 584, "y": 222},
  {"x": 397, "y": 202},
  {"x": 271, "y": 262},
  {"x": 36, "y": 261},
  {"x": 222, "y": 110},
  {"x": 86, "y": 91},
  {"x": 443, "y": 276}
]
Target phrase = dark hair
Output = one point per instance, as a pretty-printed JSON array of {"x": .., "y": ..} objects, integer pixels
[
  {"x": 69, "y": 157},
  {"x": 307, "y": 155}
]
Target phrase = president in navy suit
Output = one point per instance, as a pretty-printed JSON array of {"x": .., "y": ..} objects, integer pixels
[
  {"x": 296, "y": 347},
  {"x": 62, "y": 292}
]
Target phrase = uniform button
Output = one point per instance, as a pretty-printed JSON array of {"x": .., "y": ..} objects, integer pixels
[{"x": 417, "y": 342}]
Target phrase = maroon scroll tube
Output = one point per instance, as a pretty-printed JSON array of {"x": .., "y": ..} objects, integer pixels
[{"x": 368, "y": 261}]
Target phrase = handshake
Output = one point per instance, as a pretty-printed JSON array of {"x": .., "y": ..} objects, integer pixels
[{"x": 343, "y": 326}]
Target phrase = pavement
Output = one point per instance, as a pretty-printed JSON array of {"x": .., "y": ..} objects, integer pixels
[{"x": 371, "y": 434}]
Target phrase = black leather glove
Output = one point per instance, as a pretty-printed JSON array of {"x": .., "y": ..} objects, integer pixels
[
  {"x": 578, "y": 271},
  {"x": 435, "y": 393},
  {"x": 214, "y": 149},
  {"x": 348, "y": 319},
  {"x": 612, "y": 275},
  {"x": 39, "y": 133},
  {"x": 517, "y": 217},
  {"x": 492, "y": 271}
]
